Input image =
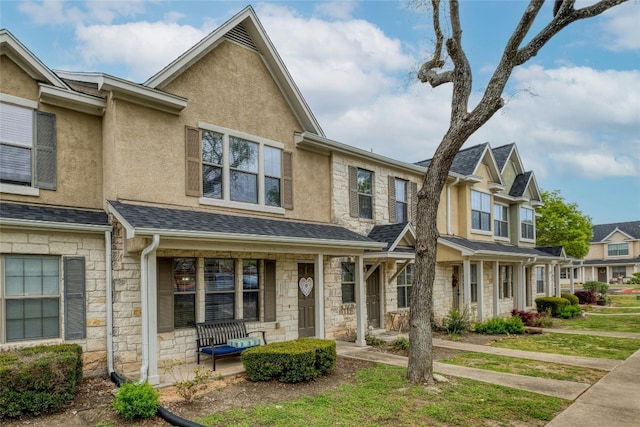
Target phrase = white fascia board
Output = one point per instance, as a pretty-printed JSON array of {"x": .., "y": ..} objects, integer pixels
[
  {"x": 72, "y": 100},
  {"x": 617, "y": 230},
  {"x": 389, "y": 255},
  {"x": 14, "y": 49},
  {"x": 130, "y": 231},
  {"x": 253, "y": 238},
  {"x": 493, "y": 164},
  {"x": 47, "y": 225},
  {"x": 464, "y": 251},
  {"x": 407, "y": 229},
  {"x": 313, "y": 141}
]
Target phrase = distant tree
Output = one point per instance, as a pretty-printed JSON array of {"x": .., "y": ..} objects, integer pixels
[{"x": 563, "y": 224}]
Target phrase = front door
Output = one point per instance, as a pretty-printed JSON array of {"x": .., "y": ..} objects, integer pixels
[
  {"x": 602, "y": 274},
  {"x": 306, "y": 301},
  {"x": 373, "y": 298}
]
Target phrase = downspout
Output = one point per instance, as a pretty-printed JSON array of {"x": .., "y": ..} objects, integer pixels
[
  {"x": 457, "y": 180},
  {"x": 108, "y": 278},
  {"x": 144, "y": 286}
]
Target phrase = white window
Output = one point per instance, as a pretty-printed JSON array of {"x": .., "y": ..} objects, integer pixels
[
  {"x": 219, "y": 286},
  {"x": 365, "y": 193},
  {"x": 480, "y": 211},
  {"x": 539, "y": 280},
  {"x": 238, "y": 169},
  {"x": 618, "y": 272},
  {"x": 500, "y": 220},
  {"x": 27, "y": 147},
  {"x": 348, "y": 282},
  {"x": 401, "y": 200},
  {"x": 526, "y": 224},
  {"x": 506, "y": 280},
  {"x": 618, "y": 249},
  {"x": 405, "y": 282},
  {"x": 474, "y": 283},
  {"x": 30, "y": 302}
]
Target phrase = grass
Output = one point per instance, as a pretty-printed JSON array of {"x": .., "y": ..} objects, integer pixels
[
  {"x": 629, "y": 323},
  {"x": 574, "y": 345},
  {"x": 531, "y": 368},
  {"x": 382, "y": 396},
  {"x": 616, "y": 310},
  {"x": 625, "y": 300}
]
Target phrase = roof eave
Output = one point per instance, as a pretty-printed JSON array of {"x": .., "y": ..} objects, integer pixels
[
  {"x": 71, "y": 100},
  {"x": 49, "y": 225}
]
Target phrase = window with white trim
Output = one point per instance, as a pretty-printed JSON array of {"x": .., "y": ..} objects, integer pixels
[
  {"x": 401, "y": 200},
  {"x": 365, "y": 193},
  {"x": 184, "y": 292},
  {"x": 500, "y": 220},
  {"x": 250, "y": 289},
  {"x": 480, "y": 211},
  {"x": 27, "y": 147},
  {"x": 539, "y": 280},
  {"x": 348, "y": 282},
  {"x": 30, "y": 298},
  {"x": 618, "y": 271},
  {"x": 526, "y": 224},
  {"x": 405, "y": 284},
  {"x": 474, "y": 282},
  {"x": 219, "y": 287},
  {"x": 506, "y": 280},
  {"x": 618, "y": 249}
]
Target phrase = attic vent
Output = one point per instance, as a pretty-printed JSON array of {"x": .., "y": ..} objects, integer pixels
[{"x": 239, "y": 35}]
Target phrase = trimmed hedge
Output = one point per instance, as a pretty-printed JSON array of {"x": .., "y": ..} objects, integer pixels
[
  {"x": 585, "y": 296},
  {"x": 38, "y": 380},
  {"x": 290, "y": 362},
  {"x": 573, "y": 300},
  {"x": 552, "y": 304},
  {"x": 498, "y": 325}
]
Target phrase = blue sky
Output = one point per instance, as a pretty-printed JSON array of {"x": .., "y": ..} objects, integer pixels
[{"x": 574, "y": 110}]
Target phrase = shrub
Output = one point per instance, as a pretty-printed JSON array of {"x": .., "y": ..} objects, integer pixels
[
  {"x": 373, "y": 341},
  {"x": 400, "y": 344},
  {"x": 635, "y": 279},
  {"x": 136, "y": 401},
  {"x": 585, "y": 297},
  {"x": 570, "y": 311},
  {"x": 290, "y": 362},
  {"x": 38, "y": 380},
  {"x": 533, "y": 319},
  {"x": 552, "y": 304},
  {"x": 499, "y": 325},
  {"x": 596, "y": 287},
  {"x": 457, "y": 322},
  {"x": 188, "y": 388},
  {"x": 573, "y": 300}
]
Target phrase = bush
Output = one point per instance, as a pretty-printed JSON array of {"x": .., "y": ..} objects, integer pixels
[
  {"x": 570, "y": 311},
  {"x": 400, "y": 344},
  {"x": 573, "y": 300},
  {"x": 38, "y": 380},
  {"x": 635, "y": 279},
  {"x": 499, "y": 325},
  {"x": 585, "y": 297},
  {"x": 533, "y": 319},
  {"x": 134, "y": 401},
  {"x": 596, "y": 287},
  {"x": 290, "y": 362},
  {"x": 457, "y": 322},
  {"x": 373, "y": 341},
  {"x": 552, "y": 304}
]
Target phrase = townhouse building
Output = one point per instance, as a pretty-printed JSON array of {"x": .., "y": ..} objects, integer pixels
[{"x": 130, "y": 211}]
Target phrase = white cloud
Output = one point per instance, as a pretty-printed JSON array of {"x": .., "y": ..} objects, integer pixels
[
  {"x": 336, "y": 9},
  {"x": 143, "y": 47},
  {"x": 597, "y": 165},
  {"x": 621, "y": 29},
  {"x": 56, "y": 12}
]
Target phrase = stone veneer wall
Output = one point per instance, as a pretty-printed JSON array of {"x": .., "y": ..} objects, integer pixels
[{"x": 92, "y": 248}]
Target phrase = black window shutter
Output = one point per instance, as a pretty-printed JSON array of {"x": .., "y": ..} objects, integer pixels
[
  {"x": 45, "y": 150},
  {"x": 74, "y": 298},
  {"x": 165, "y": 294},
  {"x": 353, "y": 192},
  {"x": 392, "y": 199},
  {"x": 269, "y": 291}
]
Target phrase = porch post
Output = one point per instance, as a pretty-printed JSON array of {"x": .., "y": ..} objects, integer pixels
[
  {"x": 480, "y": 291},
  {"x": 466, "y": 289},
  {"x": 522, "y": 299},
  {"x": 557, "y": 279},
  {"x": 496, "y": 288},
  {"x": 547, "y": 280},
  {"x": 319, "y": 269},
  {"x": 361, "y": 303},
  {"x": 571, "y": 285},
  {"x": 152, "y": 310}
]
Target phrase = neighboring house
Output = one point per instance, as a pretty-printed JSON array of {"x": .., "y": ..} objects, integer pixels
[
  {"x": 131, "y": 211},
  {"x": 614, "y": 253}
]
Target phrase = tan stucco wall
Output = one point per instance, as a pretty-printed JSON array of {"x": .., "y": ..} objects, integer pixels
[
  {"x": 79, "y": 147},
  {"x": 231, "y": 88}
]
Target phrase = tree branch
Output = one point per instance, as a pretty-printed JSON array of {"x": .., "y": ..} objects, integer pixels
[
  {"x": 462, "y": 76},
  {"x": 427, "y": 73},
  {"x": 566, "y": 15}
]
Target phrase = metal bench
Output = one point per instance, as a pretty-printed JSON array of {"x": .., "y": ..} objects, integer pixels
[{"x": 224, "y": 338}]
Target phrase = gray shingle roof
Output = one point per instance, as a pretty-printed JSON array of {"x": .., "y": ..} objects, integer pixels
[
  {"x": 520, "y": 184},
  {"x": 635, "y": 260},
  {"x": 476, "y": 246},
  {"x": 601, "y": 231},
  {"x": 551, "y": 250},
  {"x": 466, "y": 160},
  {"x": 501, "y": 154},
  {"x": 157, "y": 218},
  {"x": 387, "y": 233},
  {"x": 71, "y": 216}
]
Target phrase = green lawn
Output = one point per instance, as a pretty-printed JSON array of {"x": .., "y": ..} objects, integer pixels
[
  {"x": 625, "y": 300},
  {"x": 629, "y": 323},
  {"x": 531, "y": 368},
  {"x": 574, "y": 345},
  {"x": 382, "y": 396}
]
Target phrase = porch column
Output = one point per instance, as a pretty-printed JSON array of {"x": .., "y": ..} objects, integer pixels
[
  {"x": 571, "y": 285},
  {"x": 152, "y": 313},
  {"x": 361, "y": 303},
  {"x": 480, "y": 291},
  {"x": 547, "y": 280},
  {"x": 466, "y": 287},
  {"x": 522, "y": 298},
  {"x": 557, "y": 279},
  {"x": 496, "y": 288},
  {"x": 319, "y": 269}
]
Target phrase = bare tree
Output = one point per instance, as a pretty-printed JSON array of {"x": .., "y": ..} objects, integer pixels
[{"x": 463, "y": 123}]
